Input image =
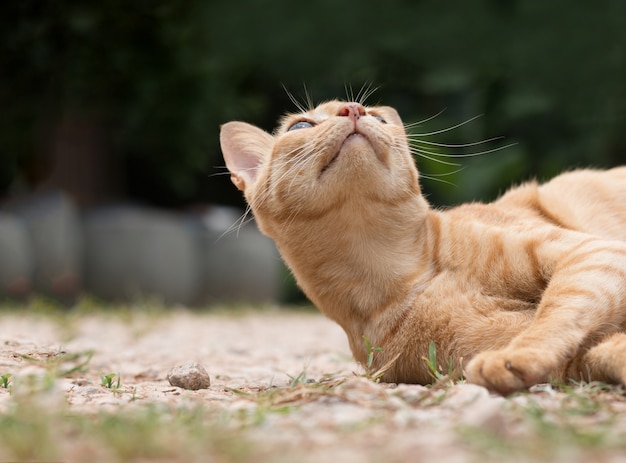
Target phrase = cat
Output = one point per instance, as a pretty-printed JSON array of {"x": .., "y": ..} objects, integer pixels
[{"x": 527, "y": 289}]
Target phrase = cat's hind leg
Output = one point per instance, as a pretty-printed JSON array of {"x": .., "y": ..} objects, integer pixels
[{"x": 604, "y": 362}]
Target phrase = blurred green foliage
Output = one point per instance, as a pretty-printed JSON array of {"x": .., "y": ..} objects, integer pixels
[{"x": 158, "y": 78}]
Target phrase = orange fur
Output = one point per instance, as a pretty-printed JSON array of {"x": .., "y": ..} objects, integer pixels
[{"x": 528, "y": 288}]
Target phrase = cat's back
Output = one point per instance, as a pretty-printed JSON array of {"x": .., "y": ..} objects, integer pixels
[{"x": 590, "y": 201}]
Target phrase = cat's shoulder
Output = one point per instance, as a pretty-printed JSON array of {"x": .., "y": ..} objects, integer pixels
[{"x": 517, "y": 202}]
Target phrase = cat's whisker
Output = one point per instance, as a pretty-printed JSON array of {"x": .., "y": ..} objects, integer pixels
[
  {"x": 238, "y": 224},
  {"x": 447, "y": 129},
  {"x": 297, "y": 162},
  {"x": 436, "y": 178},
  {"x": 349, "y": 92},
  {"x": 430, "y": 156},
  {"x": 305, "y": 158},
  {"x": 309, "y": 98},
  {"x": 366, "y": 91},
  {"x": 463, "y": 155},
  {"x": 295, "y": 101},
  {"x": 416, "y": 152},
  {"x": 423, "y": 121},
  {"x": 294, "y": 214},
  {"x": 217, "y": 174},
  {"x": 296, "y": 155},
  {"x": 445, "y": 174},
  {"x": 416, "y": 139},
  {"x": 292, "y": 166}
]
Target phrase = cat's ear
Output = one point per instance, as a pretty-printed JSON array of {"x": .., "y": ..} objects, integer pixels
[
  {"x": 390, "y": 114},
  {"x": 245, "y": 148}
]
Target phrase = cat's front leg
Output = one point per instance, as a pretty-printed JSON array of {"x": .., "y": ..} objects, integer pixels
[
  {"x": 586, "y": 296},
  {"x": 509, "y": 370},
  {"x": 605, "y": 362}
]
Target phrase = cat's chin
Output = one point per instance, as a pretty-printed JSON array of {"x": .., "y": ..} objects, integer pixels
[
  {"x": 359, "y": 144},
  {"x": 355, "y": 147},
  {"x": 352, "y": 142}
]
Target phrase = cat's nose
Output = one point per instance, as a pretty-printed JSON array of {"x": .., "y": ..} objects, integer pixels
[{"x": 352, "y": 110}]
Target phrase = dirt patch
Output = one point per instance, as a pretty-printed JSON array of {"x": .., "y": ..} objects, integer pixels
[{"x": 287, "y": 384}]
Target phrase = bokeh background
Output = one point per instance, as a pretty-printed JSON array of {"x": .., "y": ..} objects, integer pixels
[{"x": 118, "y": 102}]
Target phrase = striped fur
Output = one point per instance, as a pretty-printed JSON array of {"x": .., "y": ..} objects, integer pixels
[{"x": 529, "y": 288}]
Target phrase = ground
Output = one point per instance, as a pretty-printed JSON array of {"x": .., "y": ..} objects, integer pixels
[{"x": 91, "y": 385}]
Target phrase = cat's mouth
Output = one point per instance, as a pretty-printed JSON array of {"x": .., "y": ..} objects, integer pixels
[
  {"x": 328, "y": 164},
  {"x": 348, "y": 139}
]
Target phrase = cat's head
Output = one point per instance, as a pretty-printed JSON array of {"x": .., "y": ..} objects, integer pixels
[{"x": 338, "y": 155}]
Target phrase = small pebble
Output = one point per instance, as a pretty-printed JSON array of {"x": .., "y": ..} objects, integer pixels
[{"x": 189, "y": 376}]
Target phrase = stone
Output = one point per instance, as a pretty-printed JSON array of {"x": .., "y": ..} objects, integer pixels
[
  {"x": 476, "y": 407},
  {"x": 16, "y": 257},
  {"x": 55, "y": 233},
  {"x": 191, "y": 376},
  {"x": 134, "y": 252},
  {"x": 238, "y": 263}
]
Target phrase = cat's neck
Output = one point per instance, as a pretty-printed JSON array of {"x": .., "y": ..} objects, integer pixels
[{"x": 356, "y": 265}]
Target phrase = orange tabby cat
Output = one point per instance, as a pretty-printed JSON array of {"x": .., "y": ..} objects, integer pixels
[{"x": 529, "y": 288}]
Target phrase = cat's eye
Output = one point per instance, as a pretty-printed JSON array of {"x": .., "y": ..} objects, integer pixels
[
  {"x": 300, "y": 125},
  {"x": 380, "y": 119}
]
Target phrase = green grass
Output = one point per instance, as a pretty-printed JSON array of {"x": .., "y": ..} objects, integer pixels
[
  {"x": 109, "y": 381},
  {"x": 62, "y": 363},
  {"x": 436, "y": 371},
  {"x": 582, "y": 422},
  {"x": 5, "y": 380},
  {"x": 37, "y": 433}
]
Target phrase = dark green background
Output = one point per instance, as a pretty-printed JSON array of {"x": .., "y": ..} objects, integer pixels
[{"x": 130, "y": 94}]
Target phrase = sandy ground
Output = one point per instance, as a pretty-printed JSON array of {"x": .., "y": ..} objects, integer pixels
[{"x": 351, "y": 419}]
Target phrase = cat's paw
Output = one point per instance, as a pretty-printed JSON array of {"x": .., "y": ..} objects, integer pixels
[{"x": 507, "y": 371}]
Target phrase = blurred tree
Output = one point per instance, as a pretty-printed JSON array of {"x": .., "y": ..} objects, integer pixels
[{"x": 117, "y": 98}]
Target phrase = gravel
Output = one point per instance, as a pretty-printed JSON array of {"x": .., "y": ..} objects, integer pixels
[{"x": 290, "y": 381}]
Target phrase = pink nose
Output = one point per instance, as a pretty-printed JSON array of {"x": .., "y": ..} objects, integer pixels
[{"x": 352, "y": 110}]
